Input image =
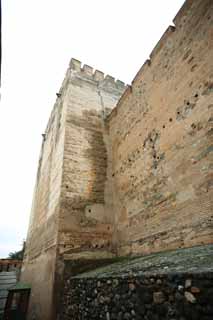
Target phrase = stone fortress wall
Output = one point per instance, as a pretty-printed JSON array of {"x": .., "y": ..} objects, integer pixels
[
  {"x": 132, "y": 181},
  {"x": 161, "y": 169}
]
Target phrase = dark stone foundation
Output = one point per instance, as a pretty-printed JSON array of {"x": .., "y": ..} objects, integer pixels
[
  {"x": 127, "y": 290},
  {"x": 149, "y": 298}
]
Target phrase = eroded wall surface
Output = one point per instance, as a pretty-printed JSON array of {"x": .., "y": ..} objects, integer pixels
[
  {"x": 86, "y": 216},
  {"x": 40, "y": 254},
  {"x": 162, "y": 153},
  {"x": 69, "y": 218}
]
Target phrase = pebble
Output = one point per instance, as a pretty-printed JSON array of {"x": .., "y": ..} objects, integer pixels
[
  {"x": 133, "y": 312},
  {"x": 117, "y": 296},
  {"x": 101, "y": 299},
  {"x": 188, "y": 283},
  {"x": 180, "y": 288},
  {"x": 127, "y": 316},
  {"x": 189, "y": 297},
  {"x": 131, "y": 286},
  {"x": 158, "y": 297},
  {"x": 195, "y": 290},
  {"x": 115, "y": 282}
]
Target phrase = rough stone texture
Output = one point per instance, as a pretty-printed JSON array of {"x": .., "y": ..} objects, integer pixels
[
  {"x": 40, "y": 253},
  {"x": 131, "y": 291},
  {"x": 69, "y": 219},
  {"x": 162, "y": 153},
  {"x": 85, "y": 218},
  {"x": 131, "y": 181}
]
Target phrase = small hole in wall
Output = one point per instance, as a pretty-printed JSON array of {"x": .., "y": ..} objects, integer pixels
[
  {"x": 150, "y": 139},
  {"x": 170, "y": 119},
  {"x": 67, "y": 187},
  {"x": 164, "y": 126},
  {"x": 108, "y": 228},
  {"x": 89, "y": 210},
  {"x": 188, "y": 103},
  {"x": 154, "y": 157},
  {"x": 178, "y": 112},
  {"x": 196, "y": 95},
  {"x": 64, "y": 245},
  {"x": 158, "y": 158}
]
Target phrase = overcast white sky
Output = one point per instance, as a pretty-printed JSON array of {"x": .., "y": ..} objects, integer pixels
[{"x": 39, "y": 38}]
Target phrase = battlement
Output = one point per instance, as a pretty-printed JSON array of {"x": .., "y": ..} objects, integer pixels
[
  {"x": 96, "y": 75},
  {"x": 184, "y": 11},
  {"x": 166, "y": 42}
]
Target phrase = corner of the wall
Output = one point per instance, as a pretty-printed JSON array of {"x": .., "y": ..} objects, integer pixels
[
  {"x": 75, "y": 64},
  {"x": 126, "y": 93}
]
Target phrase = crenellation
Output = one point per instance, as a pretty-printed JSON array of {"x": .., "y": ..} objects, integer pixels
[
  {"x": 109, "y": 79},
  {"x": 87, "y": 70},
  {"x": 104, "y": 81},
  {"x": 120, "y": 84},
  {"x": 165, "y": 42},
  {"x": 184, "y": 11},
  {"x": 98, "y": 76},
  {"x": 143, "y": 69},
  {"x": 75, "y": 64}
]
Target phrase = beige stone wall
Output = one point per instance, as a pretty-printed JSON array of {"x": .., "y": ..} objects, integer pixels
[
  {"x": 69, "y": 218},
  {"x": 162, "y": 152},
  {"x": 85, "y": 228},
  {"x": 41, "y": 245}
]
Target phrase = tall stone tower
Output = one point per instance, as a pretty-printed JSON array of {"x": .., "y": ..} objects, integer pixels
[{"x": 69, "y": 218}]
